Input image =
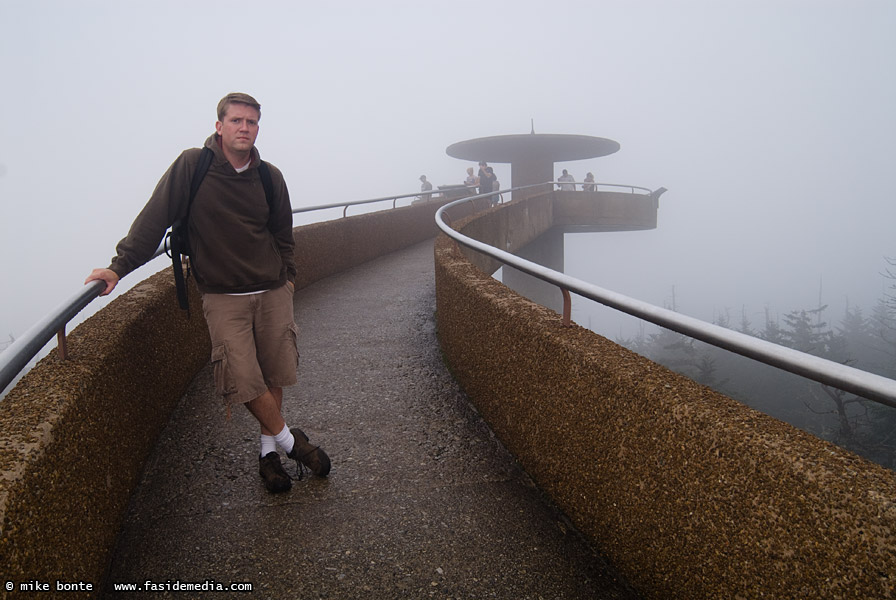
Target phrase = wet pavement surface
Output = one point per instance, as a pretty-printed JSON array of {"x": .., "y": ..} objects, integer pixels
[{"x": 422, "y": 500}]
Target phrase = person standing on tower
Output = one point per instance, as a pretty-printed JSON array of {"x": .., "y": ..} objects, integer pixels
[{"x": 569, "y": 184}]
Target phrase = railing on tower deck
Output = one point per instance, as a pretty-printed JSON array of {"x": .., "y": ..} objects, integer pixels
[
  {"x": 18, "y": 354},
  {"x": 394, "y": 199},
  {"x": 497, "y": 196},
  {"x": 868, "y": 385}
]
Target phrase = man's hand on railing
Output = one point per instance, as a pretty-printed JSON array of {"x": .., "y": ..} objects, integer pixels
[{"x": 107, "y": 275}]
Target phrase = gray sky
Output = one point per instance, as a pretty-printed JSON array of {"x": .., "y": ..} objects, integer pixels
[{"x": 770, "y": 122}]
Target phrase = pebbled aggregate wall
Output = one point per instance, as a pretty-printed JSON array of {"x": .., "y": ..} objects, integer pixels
[
  {"x": 74, "y": 434},
  {"x": 689, "y": 493}
]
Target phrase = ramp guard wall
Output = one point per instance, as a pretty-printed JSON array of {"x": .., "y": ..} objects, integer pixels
[{"x": 690, "y": 493}]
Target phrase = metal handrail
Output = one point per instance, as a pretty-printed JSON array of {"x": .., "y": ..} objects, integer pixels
[
  {"x": 394, "y": 199},
  {"x": 369, "y": 201},
  {"x": 597, "y": 183},
  {"x": 24, "y": 348},
  {"x": 865, "y": 384}
]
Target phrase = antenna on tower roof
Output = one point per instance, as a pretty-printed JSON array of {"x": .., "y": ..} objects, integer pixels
[{"x": 533, "y": 126}]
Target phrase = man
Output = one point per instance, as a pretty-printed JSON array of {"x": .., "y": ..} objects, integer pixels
[
  {"x": 485, "y": 180},
  {"x": 242, "y": 259},
  {"x": 493, "y": 200},
  {"x": 566, "y": 177},
  {"x": 589, "y": 185},
  {"x": 425, "y": 186}
]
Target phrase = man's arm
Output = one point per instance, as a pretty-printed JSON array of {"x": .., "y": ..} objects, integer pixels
[
  {"x": 281, "y": 224},
  {"x": 167, "y": 204}
]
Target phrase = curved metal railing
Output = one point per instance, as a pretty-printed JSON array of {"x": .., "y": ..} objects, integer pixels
[
  {"x": 856, "y": 381},
  {"x": 24, "y": 348},
  {"x": 394, "y": 200},
  {"x": 596, "y": 184}
]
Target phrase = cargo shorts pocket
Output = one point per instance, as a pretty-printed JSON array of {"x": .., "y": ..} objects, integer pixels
[
  {"x": 292, "y": 342},
  {"x": 224, "y": 382},
  {"x": 281, "y": 359}
]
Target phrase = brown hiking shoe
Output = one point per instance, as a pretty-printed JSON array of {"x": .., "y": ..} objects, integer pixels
[
  {"x": 310, "y": 456},
  {"x": 271, "y": 470}
]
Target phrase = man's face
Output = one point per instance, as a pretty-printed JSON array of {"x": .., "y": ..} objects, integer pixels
[{"x": 239, "y": 128}]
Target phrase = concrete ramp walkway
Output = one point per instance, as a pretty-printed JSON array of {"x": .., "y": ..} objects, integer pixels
[{"x": 422, "y": 501}]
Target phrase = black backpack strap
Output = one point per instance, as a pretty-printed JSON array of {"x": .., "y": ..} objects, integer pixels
[
  {"x": 179, "y": 282},
  {"x": 205, "y": 161},
  {"x": 179, "y": 237},
  {"x": 264, "y": 171}
]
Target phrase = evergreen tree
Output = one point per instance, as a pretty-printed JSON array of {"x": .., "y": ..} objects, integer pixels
[
  {"x": 745, "y": 326},
  {"x": 884, "y": 321},
  {"x": 639, "y": 343},
  {"x": 773, "y": 332},
  {"x": 883, "y": 325},
  {"x": 806, "y": 332},
  {"x": 890, "y": 274}
]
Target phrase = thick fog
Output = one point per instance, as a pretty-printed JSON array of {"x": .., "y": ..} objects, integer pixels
[{"x": 770, "y": 122}]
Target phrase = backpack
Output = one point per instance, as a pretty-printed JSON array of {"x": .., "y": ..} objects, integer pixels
[{"x": 178, "y": 239}]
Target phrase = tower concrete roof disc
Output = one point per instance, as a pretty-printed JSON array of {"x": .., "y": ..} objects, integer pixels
[{"x": 553, "y": 146}]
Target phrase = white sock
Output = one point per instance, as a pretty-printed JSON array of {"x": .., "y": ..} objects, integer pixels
[
  {"x": 268, "y": 444},
  {"x": 285, "y": 440}
]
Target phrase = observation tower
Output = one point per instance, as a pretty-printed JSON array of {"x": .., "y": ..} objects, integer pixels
[{"x": 532, "y": 156}]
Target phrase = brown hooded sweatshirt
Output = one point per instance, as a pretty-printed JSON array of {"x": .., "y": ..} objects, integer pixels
[{"x": 237, "y": 245}]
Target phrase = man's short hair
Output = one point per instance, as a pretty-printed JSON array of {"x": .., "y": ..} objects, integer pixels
[{"x": 237, "y": 98}]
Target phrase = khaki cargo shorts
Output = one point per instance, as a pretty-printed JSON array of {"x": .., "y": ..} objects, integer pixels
[{"x": 254, "y": 342}]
